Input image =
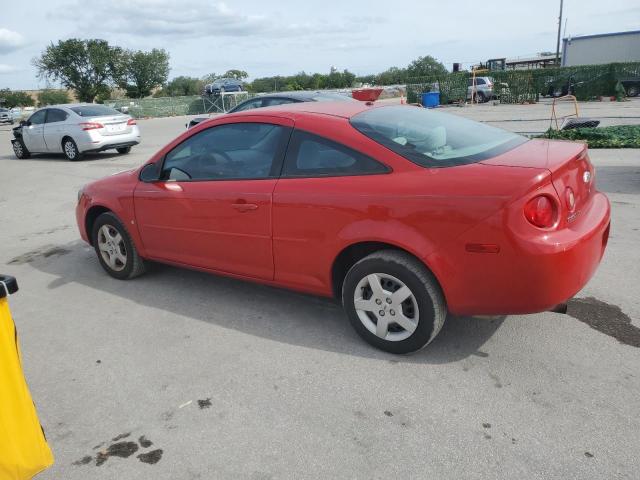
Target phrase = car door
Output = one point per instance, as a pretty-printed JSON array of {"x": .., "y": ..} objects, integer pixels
[
  {"x": 211, "y": 207},
  {"x": 54, "y": 129},
  {"x": 325, "y": 185},
  {"x": 33, "y": 132}
]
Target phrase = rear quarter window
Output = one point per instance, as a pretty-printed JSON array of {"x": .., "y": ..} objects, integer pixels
[{"x": 311, "y": 155}]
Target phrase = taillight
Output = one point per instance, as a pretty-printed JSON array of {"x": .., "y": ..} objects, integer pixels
[
  {"x": 91, "y": 125},
  {"x": 541, "y": 211},
  {"x": 131, "y": 122}
]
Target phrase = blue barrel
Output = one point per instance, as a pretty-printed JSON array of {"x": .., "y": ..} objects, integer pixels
[{"x": 430, "y": 99}]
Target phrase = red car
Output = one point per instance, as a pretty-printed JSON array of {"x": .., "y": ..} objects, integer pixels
[{"x": 403, "y": 213}]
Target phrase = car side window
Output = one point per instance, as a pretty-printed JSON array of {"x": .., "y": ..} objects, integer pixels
[
  {"x": 311, "y": 155},
  {"x": 56, "y": 115},
  {"x": 270, "y": 102},
  {"x": 248, "y": 105},
  {"x": 480, "y": 81},
  {"x": 225, "y": 152},
  {"x": 38, "y": 117}
]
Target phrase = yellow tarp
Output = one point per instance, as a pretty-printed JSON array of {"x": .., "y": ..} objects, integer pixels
[{"x": 23, "y": 448}]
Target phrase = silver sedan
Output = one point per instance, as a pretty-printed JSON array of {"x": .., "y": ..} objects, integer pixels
[{"x": 74, "y": 130}]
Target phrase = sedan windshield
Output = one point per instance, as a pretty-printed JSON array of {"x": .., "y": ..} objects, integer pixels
[
  {"x": 434, "y": 139},
  {"x": 94, "y": 110}
]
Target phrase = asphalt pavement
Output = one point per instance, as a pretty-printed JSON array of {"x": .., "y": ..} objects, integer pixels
[{"x": 183, "y": 375}]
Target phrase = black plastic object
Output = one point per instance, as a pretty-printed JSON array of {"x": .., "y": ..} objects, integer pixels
[{"x": 8, "y": 285}]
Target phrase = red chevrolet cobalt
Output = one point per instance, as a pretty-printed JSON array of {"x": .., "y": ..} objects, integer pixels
[{"x": 403, "y": 213}]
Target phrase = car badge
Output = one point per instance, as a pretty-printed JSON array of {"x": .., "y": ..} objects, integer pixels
[{"x": 586, "y": 177}]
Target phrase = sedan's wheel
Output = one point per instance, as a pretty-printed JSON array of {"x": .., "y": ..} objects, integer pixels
[
  {"x": 393, "y": 301},
  {"x": 115, "y": 250},
  {"x": 633, "y": 91},
  {"x": 70, "y": 149},
  {"x": 123, "y": 150},
  {"x": 20, "y": 149}
]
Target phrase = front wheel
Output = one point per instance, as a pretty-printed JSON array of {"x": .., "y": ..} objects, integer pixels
[
  {"x": 123, "y": 150},
  {"x": 115, "y": 249},
  {"x": 393, "y": 301},
  {"x": 70, "y": 149},
  {"x": 20, "y": 149}
]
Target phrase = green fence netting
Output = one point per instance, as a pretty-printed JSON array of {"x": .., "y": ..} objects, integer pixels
[{"x": 520, "y": 86}]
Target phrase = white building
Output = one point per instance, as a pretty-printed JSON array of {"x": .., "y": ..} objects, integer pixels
[{"x": 602, "y": 48}]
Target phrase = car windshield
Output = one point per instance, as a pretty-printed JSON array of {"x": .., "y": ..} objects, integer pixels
[
  {"x": 94, "y": 111},
  {"x": 434, "y": 139}
]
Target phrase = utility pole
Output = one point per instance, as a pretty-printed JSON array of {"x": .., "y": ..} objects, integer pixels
[{"x": 559, "y": 30}]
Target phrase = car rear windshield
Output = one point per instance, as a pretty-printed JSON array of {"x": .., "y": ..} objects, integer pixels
[
  {"x": 434, "y": 139},
  {"x": 94, "y": 111}
]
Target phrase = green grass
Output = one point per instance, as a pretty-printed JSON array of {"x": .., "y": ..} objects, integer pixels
[{"x": 624, "y": 136}]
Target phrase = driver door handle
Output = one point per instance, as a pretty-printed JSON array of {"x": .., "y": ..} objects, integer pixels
[{"x": 244, "y": 207}]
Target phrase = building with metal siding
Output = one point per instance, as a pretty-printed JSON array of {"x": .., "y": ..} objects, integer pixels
[{"x": 603, "y": 48}]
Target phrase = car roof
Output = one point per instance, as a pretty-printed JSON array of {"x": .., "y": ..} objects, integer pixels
[
  {"x": 299, "y": 94},
  {"x": 336, "y": 109}
]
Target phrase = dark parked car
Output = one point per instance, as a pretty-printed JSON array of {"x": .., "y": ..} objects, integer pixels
[
  {"x": 281, "y": 98},
  {"x": 222, "y": 85}
]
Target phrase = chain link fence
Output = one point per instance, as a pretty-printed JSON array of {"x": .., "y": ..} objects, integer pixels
[{"x": 174, "y": 106}]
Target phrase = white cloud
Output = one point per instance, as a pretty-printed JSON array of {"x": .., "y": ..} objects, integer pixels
[
  {"x": 190, "y": 19},
  {"x": 10, "y": 40},
  {"x": 6, "y": 69}
]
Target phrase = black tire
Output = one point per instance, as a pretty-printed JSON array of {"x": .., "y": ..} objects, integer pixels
[
  {"x": 480, "y": 97},
  {"x": 20, "y": 149},
  {"x": 70, "y": 149},
  {"x": 633, "y": 91},
  {"x": 134, "y": 264},
  {"x": 431, "y": 308},
  {"x": 123, "y": 150}
]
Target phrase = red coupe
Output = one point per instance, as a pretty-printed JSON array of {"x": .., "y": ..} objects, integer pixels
[{"x": 403, "y": 213}]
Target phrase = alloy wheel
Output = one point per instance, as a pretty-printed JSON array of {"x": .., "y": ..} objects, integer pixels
[
  {"x": 70, "y": 149},
  {"x": 112, "y": 248},
  {"x": 386, "y": 307}
]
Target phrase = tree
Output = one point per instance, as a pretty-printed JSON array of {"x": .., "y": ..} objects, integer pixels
[
  {"x": 89, "y": 67},
  {"x": 9, "y": 99},
  {"x": 237, "y": 74},
  {"x": 182, "y": 85},
  {"x": 141, "y": 72},
  {"x": 52, "y": 97},
  {"x": 425, "y": 67}
]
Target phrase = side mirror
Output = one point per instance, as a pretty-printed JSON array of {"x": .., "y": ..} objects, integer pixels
[
  {"x": 150, "y": 173},
  {"x": 25, "y": 123}
]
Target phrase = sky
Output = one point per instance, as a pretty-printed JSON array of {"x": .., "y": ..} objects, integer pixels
[{"x": 288, "y": 36}]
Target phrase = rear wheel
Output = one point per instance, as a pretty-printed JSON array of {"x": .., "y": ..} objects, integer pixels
[
  {"x": 393, "y": 301},
  {"x": 123, "y": 150},
  {"x": 115, "y": 249},
  {"x": 20, "y": 149},
  {"x": 633, "y": 91},
  {"x": 70, "y": 149},
  {"x": 480, "y": 97}
]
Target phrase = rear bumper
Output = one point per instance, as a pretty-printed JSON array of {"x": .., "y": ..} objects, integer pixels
[
  {"x": 112, "y": 146},
  {"x": 93, "y": 141},
  {"x": 530, "y": 274}
]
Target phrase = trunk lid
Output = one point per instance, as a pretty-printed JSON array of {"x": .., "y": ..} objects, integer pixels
[
  {"x": 113, "y": 125},
  {"x": 571, "y": 170}
]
